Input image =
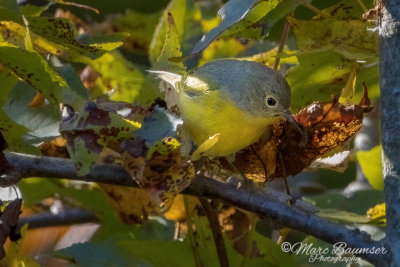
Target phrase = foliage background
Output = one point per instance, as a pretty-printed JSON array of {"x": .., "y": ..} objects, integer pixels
[{"x": 330, "y": 49}]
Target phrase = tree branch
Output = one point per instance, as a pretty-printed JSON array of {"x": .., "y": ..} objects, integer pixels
[
  {"x": 390, "y": 97},
  {"x": 254, "y": 201}
]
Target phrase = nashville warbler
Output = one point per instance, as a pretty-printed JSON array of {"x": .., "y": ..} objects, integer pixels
[{"x": 236, "y": 99}]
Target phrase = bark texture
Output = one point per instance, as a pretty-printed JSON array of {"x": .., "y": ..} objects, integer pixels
[{"x": 390, "y": 96}]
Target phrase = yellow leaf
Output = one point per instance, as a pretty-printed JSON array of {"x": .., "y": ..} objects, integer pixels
[
  {"x": 378, "y": 213},
  {"x": 205, "y": 146},
  {"x": 371, "y": 164}
]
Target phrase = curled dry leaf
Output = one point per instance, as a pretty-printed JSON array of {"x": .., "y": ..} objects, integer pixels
[
  {"x": 159, "y": 169},
  {"x": 161, "y": 174},
  {"x": 320, "y": 128}
]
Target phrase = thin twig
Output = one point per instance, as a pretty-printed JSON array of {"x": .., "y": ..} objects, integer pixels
[
  {"x": 68, "y": 217},
  {"x": 192, "y": 241},
  {"x": 249, "y": 241},
  {"x": 313, "y": 8},
  {"x": 282, "y": 42},
  {"x": 216, "y": 231}
]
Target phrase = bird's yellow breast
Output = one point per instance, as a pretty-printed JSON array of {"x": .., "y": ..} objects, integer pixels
[{"x": 210, "y": 113}]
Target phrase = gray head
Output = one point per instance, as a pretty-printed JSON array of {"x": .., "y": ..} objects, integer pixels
[{"x": 254, "y": 87}]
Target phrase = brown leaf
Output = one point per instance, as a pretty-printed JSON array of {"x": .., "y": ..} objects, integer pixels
[
  {"x": 9, "y": 224},
  {"x": 159, "y": 170},
  {"x": 55, "y": 148},
  {"x": 235, "y": 224},
  {"x": 320, "y": 128}
]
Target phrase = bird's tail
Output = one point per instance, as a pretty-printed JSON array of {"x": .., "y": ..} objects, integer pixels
[{"x": 169, "y": 77}]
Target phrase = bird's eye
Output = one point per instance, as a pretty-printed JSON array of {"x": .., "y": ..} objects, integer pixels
[{"x": 271, "y": 101}]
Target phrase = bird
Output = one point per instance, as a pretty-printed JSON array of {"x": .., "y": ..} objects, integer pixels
[{"x": 232, "y": 98}]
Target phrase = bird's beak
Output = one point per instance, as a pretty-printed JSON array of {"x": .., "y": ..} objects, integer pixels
[{"x": 288, "y": 116}]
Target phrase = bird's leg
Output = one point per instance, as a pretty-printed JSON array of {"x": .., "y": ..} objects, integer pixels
[
  {"x": 291, "y": 201},
  {"x": 244, "y": 181}
]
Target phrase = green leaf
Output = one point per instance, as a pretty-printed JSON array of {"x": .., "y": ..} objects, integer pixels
[
  {"x": 13, "y": 133},
  {"x": 91, "y": 129},
  {"x": 231, "y": 13},
  {"x": 317, "y": 77},
  {"x": 169, "y": 253},
  {"x": 56, "y": 36},
  {"x": 97, "y": 254},
  {"x": 34, "y": 70},
  {"x": 343, "y": 216},
  {"x": 7, "y": 81},
  {"x": 348, "y": 9},
  {"x": 60, "y": 32},
  {"x": 32, "y": 10},
  {"x": 42, "y": 122},
  {"x": 171, "y": 48},
  {"x": 34, "y": 190},
  {"x": 271, "y": 253},
  {"x": 358, "y": 203},
  {"x": 119, "y": 76},
  {"x": 9, "y": 11},
  {"x": 177, "y": 9},
  {"x": 371, "y": 164},
  {"x": 368, "y": 73},
  {"x": 140, "y": 26},
  {"x": 352, "y": 38}
]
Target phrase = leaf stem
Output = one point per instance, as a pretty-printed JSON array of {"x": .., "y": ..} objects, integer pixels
[{"x": 249, "y": 241}]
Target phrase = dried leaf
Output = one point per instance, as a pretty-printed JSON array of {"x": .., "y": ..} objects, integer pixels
[
  {"x": 9, "y": 224},
  {"x": 95, "y": 127}
]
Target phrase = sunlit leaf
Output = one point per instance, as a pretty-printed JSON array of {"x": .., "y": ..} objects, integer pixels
[
  {"x": 318, "y": 76},
  {"x": 35, "y": 71},
  {"x": 170, "y": 49},
  {"x": 268, "y": 58},
  {"x": 351, "y": 38},
  {"x": 118, "y": 77},
  {"x": 177, "y": 9},
  {"x": 222, "y": 48},
  {"x": 377, "y": 214},
  {"x": 371, "y": 164}
]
